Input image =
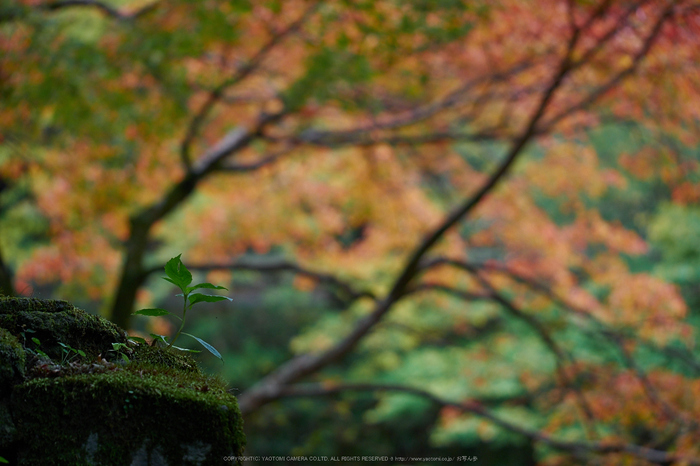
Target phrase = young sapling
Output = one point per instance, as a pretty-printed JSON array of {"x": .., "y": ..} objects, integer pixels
[{"x": 178, "y": 275}]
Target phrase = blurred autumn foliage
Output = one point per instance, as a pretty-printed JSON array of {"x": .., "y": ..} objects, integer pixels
[{"x": 451, "y": 227}]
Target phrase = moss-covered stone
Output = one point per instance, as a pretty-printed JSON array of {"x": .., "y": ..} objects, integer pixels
[
  {"x": 157, "y": 409},
  {"x": 144, "y": 354},
  {"x": 52, "y": 321},
  {"x": 12, "y": 360}
]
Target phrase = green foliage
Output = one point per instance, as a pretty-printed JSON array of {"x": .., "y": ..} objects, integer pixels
[
  {"x": 674, "y": 230},
  {"x": 326, "y": 74},
  {"x": 179, "y": 276}
]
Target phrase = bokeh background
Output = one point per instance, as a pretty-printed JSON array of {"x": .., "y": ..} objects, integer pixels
[{"x": 466, "y": 229}]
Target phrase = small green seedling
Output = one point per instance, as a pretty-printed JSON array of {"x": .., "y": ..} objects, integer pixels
[
  {"x": 179, "y": 276},
  {"x": 37, "y": 350},
  {"x": 69, "y": 353},
  {"x": 121, "y": 349}
]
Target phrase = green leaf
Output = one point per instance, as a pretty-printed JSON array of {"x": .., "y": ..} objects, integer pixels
[
  {"x": 36, "y": 341},
  {"x": 81, "y": 353},
  {"x": 199, "y": 297},
  {"x": 3, "y": 460},
  {"x": 169, "y": 280},
  {"x": 178, "y": 273},
  {"x": 209, "y": 348},
  {"x": 138, "y": 340},
  {"x": 125, "y": 357},
  {"x": 204, "y": 285},
  {"x": 154, "y": 312},
  {"x": 186, "y": 349},
  {"x": 159, "y": 337}
]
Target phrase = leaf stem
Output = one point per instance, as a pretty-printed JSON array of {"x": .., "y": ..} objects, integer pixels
[{"x": 184, "y": 315}]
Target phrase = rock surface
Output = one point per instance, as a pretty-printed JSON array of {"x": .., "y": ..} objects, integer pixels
[{"x": 60, "y": 407}]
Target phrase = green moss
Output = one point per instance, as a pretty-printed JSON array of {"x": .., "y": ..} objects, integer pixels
[
  {"x": 159, "y": 408},
  {"x": 12, "y": 361},
  {"x": 112, "y": 418},
  {"x": 58, "y": 321},
  {"x": 8, "y": 431},
  {"x": 148, "y": 355}
]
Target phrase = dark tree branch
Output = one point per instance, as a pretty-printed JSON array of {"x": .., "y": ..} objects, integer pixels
[
  {"x": 6, "y": 286},
  {"x": 542, "y": 288},
  {"x": 561, "y": 356},
  {"x": 616, "y": 29},
  {"x": 334, "y": 388},
  {"x": 613, "y": 82},
  {"x": 362, "y": 135},
  {"x": 102, "y": 7},
  {"x": 269, "y": 387},
  {"x": 464, "y": 295},
  {"x": 370, "y": 139},
  {"x": 348, "y": 292},
  {"x": 266, "y": 160},
  {"x": 19, "y": 12},
  {"x": 668, "y": 411},
  {"x": 217, "y": 93},
  {"x": 458, "y": 214},
  {"x": 478, "y": 409},
  {"x": 132, "y": 275},
  {"x": 617, "y": 339}
]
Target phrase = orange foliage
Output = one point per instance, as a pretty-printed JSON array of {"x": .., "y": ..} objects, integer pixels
[{"x": 355, "y": 189}]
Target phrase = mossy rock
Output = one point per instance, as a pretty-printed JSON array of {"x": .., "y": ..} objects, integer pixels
[
  {"x": 52, "y": 321},
  {"x": 156, "y": 409},
  {"x": 12, "y": 361}
]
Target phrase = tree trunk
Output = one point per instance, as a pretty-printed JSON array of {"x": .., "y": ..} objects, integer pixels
[
  {"x": 6, "y": 287},
  {"x": 132, "y": 273}
]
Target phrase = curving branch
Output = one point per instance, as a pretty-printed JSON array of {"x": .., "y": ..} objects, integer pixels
[
  {"x": 366, "y": 134},
  {"x": 20, "y": 12},
  {"x": 363, "y": 135},
  {"x": 217, "y": 94},
  {"x": 347, "y": 292},
  {"x": 366, "y": 139},
  {"x": 265, "y": 160},
  {"x": 132, "y": 275},
  {"x": 613, "y": 337},
  {"x": 102, "y": 7},
  {"x": 561, "y": 356},
  {"x": 269, "y": 388},
  {"x": 334, "y": 388},
  {"x": 478, "y": 409},
  {"x": 543, "y": 289},
  {"x": 460, "y": 294},
  {"x": 614, "y": 81}
]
